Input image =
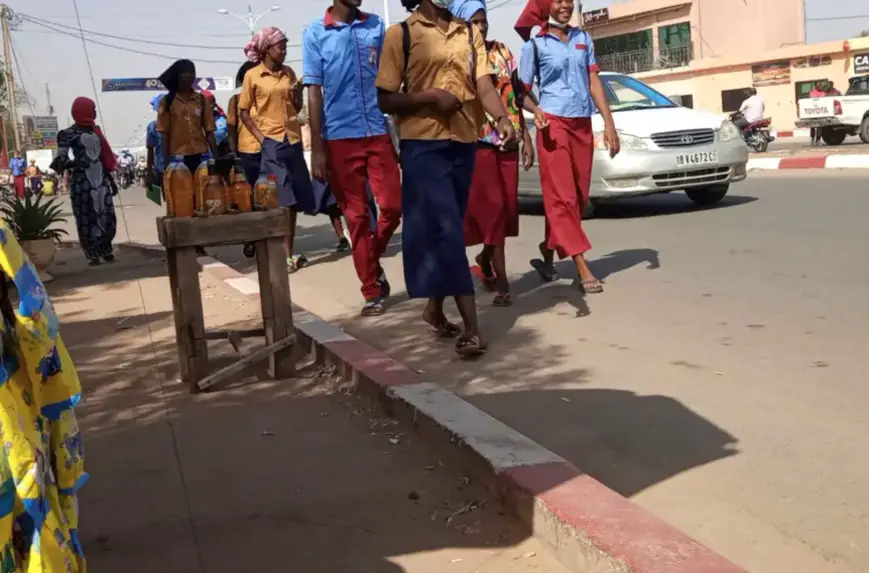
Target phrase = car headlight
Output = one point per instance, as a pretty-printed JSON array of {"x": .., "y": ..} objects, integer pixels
[
  {"x": 728, "y": 131},
  {"x": 627, "y": 142}
]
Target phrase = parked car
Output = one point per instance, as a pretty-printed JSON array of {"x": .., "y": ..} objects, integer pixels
[
  {"x": 665, "y": 147},
  {"x": 839, "y": 116}
]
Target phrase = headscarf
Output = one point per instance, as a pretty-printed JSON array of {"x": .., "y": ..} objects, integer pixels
[
  {"x": 260, "y": 44},
  {"x": 536, "y": 13},
  {"x": 84, "y": 114},
  {"x": 464, "y": 9},
  {"x": 155, "y": 101},
  {"x": 209, "y": 97},
  {"x": 169, "y": 78}
]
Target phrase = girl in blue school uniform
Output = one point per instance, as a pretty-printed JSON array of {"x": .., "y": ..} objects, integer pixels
[{"x": 435, "y": 78}]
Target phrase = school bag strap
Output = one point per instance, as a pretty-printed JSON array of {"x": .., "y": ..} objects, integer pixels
[
  {"x": 472, "y": 67},
  {"x": 405, "y": 48},
  {"x": 536, "y": 62}
]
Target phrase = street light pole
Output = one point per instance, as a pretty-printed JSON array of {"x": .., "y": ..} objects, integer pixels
[
  {"x": 386, "y": 12},
  {"x": 250, "y": 19}
]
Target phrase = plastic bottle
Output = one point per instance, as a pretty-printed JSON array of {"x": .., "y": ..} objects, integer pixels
[
  {"x": 240, "y": 191},
  {"x": 178, "y": 189},
  {"x": 201, "y": 181},
  {"x": 213, "y": 195},
  {"x": 271, "y": 198},
  {"x": 260, "y": 193}
]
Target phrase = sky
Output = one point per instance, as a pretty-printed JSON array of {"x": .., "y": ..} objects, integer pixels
[{"x": 59, "y": 60}]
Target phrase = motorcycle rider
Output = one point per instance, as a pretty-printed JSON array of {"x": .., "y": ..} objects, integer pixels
[
  {"x": 751, "y": 110},
  {"x": 126, "y": 161}
]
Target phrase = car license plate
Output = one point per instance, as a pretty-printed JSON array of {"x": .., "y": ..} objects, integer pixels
[{"x": 699, "y": 158}]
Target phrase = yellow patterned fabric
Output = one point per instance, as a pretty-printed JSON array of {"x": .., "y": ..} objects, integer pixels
[{"x": 41, "y": 460}]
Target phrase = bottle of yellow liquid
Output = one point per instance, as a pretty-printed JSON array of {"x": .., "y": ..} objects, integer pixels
[
  {"x": 200, "y": 178},
  {"x": 240, "y": 191},
  {"x": 260, "y": 193},
  {"x": 271, "y": 198},
  {"x": 214, "y": 193},
  {"x": 178, "y": 189}
]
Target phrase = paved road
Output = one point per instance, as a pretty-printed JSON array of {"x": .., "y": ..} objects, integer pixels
[
  {"x": 801, "y": 146},
  {"x": 719, "y": 382}
]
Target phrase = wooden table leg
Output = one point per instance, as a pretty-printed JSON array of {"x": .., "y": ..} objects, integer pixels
[
  {"x": 193, "y": 323},
  {"x": 276, "y": 309},
  {"x": 172, "y": 262}
]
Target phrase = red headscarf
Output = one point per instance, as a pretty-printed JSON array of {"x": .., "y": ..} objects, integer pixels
[
  {"x": 84, "y": 114},
  {"x": 536, "y": 13}
]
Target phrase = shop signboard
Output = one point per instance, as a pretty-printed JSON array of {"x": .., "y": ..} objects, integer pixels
[
  {"x": 861, "y": 63},
  {"x": 40, "y": 132},
  {"x": 155, "y": 85},
  {"x": 771, "y": 73}
]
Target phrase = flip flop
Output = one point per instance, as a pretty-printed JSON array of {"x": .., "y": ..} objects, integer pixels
[
  {"x": 471, "y": 346},
  {"x": 296, "y": 262},
  {"x": 546, "y": 275},
  {"x": 484, "y": 272},
  {"x": 373, "y": 307},
  {"x": 445, "y": 330},
  {"x": 593, "y": 286},
  {"x": 502, "y": 300}
]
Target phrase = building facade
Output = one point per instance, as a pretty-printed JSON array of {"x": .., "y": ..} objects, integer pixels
[{"x": 708, "y": 52}]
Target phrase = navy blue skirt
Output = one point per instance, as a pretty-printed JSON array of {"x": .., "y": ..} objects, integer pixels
[
  {"x": 287, "y": 162},
  {"x": 436, "y": 182},
  {"x": 251, "y": 163}
]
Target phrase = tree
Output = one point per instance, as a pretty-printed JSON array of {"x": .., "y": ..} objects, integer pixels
[{"x": 865, "y": 33}]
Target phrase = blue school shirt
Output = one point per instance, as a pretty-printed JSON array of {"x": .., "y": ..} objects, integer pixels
[
  {"x": 343, "y": 59},
  {"x": 564, "y": 72},
  {"x": 154, "y": 140},
  {"x": 17, "y": 165}
]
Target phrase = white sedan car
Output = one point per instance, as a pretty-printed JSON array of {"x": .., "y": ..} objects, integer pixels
[{"x": 665, "y": 147}]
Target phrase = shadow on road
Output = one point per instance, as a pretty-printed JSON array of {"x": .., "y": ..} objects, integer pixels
[{"x": 675, "y": 203}]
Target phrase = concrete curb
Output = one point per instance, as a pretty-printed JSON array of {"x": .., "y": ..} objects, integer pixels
[
  {"x": 841, "y": 161},
  {"x": 591, "y": 528},
  {"x": 793, "y": 133}
]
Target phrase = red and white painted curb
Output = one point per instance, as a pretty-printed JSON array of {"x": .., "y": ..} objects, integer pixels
[
  {"x": 793, "y": 133},
  {"x": 590, "y": 528},
  {"x": 842, "y": 161}
]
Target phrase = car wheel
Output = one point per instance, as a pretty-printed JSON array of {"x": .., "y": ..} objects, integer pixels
[
  {"x": 705, "y": 196},
  {"x": 589, "y": 209},
  {"x": 864, "y": 130},
  {"x": 833, "y": 136}
]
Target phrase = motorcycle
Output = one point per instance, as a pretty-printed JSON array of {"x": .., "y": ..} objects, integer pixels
[
  {"x": 757, "y": 135},
  {"x": 126, "y": 177}
]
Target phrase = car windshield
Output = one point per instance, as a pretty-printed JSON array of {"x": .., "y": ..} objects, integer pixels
[{"x": 624, "y": 93}]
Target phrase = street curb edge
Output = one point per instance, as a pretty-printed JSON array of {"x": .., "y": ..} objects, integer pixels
[{"x": 589, "y": 527}]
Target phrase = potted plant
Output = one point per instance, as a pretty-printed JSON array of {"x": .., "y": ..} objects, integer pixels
[{"x": 35, "y": 222}]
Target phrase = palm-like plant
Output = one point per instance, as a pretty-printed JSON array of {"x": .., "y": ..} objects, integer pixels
[{"x": 34, "y": 219}]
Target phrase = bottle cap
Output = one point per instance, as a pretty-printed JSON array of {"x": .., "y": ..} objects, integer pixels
[{"x": 272, "y": 177}]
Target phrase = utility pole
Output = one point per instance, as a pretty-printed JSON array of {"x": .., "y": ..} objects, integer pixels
[
  {"x": 10, "y": 78},
  {"x": 49, "y": 109}
]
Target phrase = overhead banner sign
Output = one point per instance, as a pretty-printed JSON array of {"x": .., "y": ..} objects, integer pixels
[
  {"x": 861, "y": 63},
  {"x": 40, "y": 131},
  {"x": 155, "y": 85}
]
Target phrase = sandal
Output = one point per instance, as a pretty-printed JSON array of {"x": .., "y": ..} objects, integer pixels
[
  {"x": 444, "y": 329},
  {"x": 249, "y": 250},
  {"x": 373, "y": 307},
  {"x": 343, "y": 245},
  {"x": 94, "y": 262},
  {"x": 296, "y": 262},
  {"x": 486, "y": 273},
  {"x": 591, "y": 286},
  {"x": 109, "y": 258},
  {"x": 502, "y": 300},
  {"x": 470, "y": 346}
]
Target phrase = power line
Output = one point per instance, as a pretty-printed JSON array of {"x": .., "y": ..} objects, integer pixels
[
  {"x": 834, "y": 18},
  {"x": 46, "y": 23},
  {"x": 20, "y": 75}
]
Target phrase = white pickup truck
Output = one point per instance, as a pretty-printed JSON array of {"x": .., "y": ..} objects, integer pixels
[{"x": 839, "y": 116}]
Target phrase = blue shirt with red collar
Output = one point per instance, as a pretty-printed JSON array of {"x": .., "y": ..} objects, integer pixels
[
  {"x": 343, "y": 59},
  {"x": 563, "y": 80}
]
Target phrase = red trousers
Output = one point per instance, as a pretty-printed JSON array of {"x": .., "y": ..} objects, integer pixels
[
  {"x": 566, "y": 150},
  {"x": 351, "y": 162},
  {"x": 493, "y": 205},
  {"x": 19, "y": 186}
]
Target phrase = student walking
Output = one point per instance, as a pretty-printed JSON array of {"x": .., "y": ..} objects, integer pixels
[
  {"x": 443, "y": 65},
  {"x": 268, "y": 106},
  {"x": 493, "y": 207},
  {"x": 562, "y": 61},
  {"x": 350, "y": 144}
]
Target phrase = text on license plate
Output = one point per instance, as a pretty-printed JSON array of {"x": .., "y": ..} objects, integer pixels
[{"x": 699, "y": 158}]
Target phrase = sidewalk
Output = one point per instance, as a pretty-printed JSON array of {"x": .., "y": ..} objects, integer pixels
[{"x": 261, "y": 477}]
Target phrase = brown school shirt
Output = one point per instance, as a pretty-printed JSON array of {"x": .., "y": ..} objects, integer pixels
[
  {"x": 247, "y": 143},
  {"x": 438, "y": 59},
  {"x": 186, "y": 124},
  {"x": 268, "y": 97}
]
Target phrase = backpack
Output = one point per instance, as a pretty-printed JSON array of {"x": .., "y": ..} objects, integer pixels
[{"x": 405, "y": 46}]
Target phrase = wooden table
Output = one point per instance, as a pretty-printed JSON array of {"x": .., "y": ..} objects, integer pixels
[{"x": 266, "y": 230}]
